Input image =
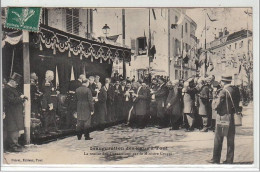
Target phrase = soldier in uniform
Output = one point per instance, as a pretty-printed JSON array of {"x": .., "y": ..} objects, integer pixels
[
  {"x": 49, "y": 102},
  {"x": 35, "y": 96},
  {"x": 71, "y": 99},
  {"x": 85, "y": 109},
  {"x": 14, "y": 119},
  {"x": 226, "y": 106}
]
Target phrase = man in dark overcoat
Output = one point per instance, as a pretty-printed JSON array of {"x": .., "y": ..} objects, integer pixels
[
  {"x": 92, "y": 86},
  {"x": 153, "y": 105},
  {"x": 71, "y": 99},
  {"x": 100, "y": 107},
  {"x": 13, "y": 105},
  {"x": 85, "y": 109},
  {"x": 110, "y": 101},
  {"x": 140, "y": 97},
  {"x": 160, "y": 97},
  {"x": 173, "y": 104},
  {"x": 118, "y": 100},
  {"x": 226, "y": 106}
]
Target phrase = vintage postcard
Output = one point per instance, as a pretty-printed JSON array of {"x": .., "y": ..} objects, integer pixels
[{"x": 143, "y": 86}]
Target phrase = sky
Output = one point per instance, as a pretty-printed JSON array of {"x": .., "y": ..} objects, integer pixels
[{"x": 234, "y": 19}]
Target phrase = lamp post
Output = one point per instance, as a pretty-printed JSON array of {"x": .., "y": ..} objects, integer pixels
[{"x": 106, "y": 29}]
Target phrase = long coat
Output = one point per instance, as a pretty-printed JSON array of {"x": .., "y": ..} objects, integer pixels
[
  {"x": 85, "y": 103},
  {"x": 110, "y": 103},
  {"x": 160, "y": 97},
  {"x": 174, "y": 100},
  {"x": 13, "y": 106},
  {"x": 49, "y": 95},
  {"x": 204, "y": 100},
  {"x": 101, "y": 107},
  {"x": 189, "y": 100},
  {"x": 140, "y": 105}
]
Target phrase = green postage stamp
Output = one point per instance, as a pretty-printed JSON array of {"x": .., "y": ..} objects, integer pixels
[{"x": 23, "y": 18}]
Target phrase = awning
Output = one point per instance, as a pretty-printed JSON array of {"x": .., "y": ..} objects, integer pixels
[{"x": 61, "y": 41}]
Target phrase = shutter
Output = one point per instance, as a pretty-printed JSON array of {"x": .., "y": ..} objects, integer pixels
[
  {"x": 136, "y": 46},
  {"x": 69, "y": 20},
  {"x": 75, "y": 21}
]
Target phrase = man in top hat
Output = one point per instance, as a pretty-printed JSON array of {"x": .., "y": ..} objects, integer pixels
[
  {"x": 110, "y": 100},
  {"x": 226, "y": 106},
  {"x": 13, "y": 105}
]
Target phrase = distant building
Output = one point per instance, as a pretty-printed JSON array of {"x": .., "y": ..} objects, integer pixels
[
  {"x": 227, "y": 51},
  {"x": 167, "y": 41}
]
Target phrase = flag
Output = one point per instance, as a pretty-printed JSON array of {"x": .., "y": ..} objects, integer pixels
[
  {"x": 212, "y": 20},
  {"x": 72, "y": 76},
  {"x": 154, "y": 16},
  {"x": 57, "y": 78},
  {"x": 174, "y": 26}
]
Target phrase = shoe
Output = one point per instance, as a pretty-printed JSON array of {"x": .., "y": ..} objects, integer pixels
[
  {"x": 88, "y": 138},
  {"x": 205, "y": 129},
  {"x": 212, "y": 161},
  {"x": 79, "y": 137},
  {"x": 226, "y": 162},
  {"x": 15, "y": 149}
]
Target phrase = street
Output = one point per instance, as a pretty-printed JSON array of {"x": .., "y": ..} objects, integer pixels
[{"x": 123, "y": 145}]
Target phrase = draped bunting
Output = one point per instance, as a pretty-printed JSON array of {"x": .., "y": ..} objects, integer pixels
[{"x": 61, "y": 41}]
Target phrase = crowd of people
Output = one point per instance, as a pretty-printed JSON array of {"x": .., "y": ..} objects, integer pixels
[{"x": 190, "y": 104}]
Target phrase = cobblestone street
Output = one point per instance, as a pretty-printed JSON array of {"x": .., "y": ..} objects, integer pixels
[{"x": 123, "y": 145}]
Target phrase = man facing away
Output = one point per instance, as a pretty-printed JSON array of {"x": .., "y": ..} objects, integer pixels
[
  {"x": 85, "y": 109},
  {"x": 226, "y": 106}
]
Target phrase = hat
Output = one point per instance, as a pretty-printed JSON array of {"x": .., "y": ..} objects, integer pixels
[
  {"x": 17, "y": 77},
  {"x": 215, "y": 84},
  {"x": 161, "y": 78},
  {"x": 226, "y": 78}
]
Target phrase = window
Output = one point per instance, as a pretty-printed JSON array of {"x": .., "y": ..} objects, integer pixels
[
  {"x": 72, "y": 21},
  {"x": 241, "y": 44},
  {"x": 235, "y": 45},
  {"x": 181, "y": 31},
  {"x": 44, "y": 19},
  {"x": 176, "y": 74},
  {"x": 176, "y": 47},
  {"x": 186, "y": 27},
  {"x": 176, "y": 19},
  {"x": 3, "y": 12}
]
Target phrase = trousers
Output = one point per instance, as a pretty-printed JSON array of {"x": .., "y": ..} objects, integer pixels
[{"x": 218, "y": 142}]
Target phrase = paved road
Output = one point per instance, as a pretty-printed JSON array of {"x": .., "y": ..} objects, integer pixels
[{"x": 123, "y": 145}]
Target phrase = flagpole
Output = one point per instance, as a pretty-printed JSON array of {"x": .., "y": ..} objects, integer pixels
[
  {"x": 205, "y": 45},
  {"x": 149, "y": 42}
]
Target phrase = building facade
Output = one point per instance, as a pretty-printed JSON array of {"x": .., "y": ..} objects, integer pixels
[
  {"x": 167, "y": 41},
  {"x": 228, "y": 51}
]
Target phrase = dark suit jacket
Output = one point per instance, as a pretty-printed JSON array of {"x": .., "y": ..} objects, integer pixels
[
  {"x": 73, "y": 85},
  {"x": 13, "y": 106},
  {"x": 174, "y": 99},
  {"x": 85, "y": 104},
  {"x": 92, "y": 87},
  {"x": 224, "y": 104}
]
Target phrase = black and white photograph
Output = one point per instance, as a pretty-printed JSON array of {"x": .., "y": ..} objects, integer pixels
[{"x": 128, "y": 86}]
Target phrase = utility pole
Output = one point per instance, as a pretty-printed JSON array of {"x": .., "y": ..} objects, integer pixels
[
  {"x": 123, "y": 37},
  {"x": 205, "y": 68},
  {"x": 149, "y": 46},
  {"x": 27, "y": 86},
  {"x": 169, "y": 46},
  {"x": 182, "y": 47}
]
